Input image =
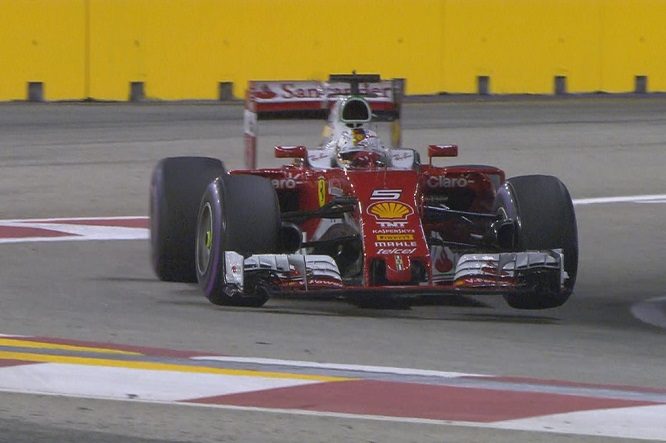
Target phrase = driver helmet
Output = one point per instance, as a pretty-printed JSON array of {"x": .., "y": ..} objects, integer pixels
[{"x": 359, "y": 148}]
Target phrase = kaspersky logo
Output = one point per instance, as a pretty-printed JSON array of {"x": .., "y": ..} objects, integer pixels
[{"x": 390, "y": 211}]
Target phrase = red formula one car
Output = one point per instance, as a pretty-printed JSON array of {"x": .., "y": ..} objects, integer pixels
[{"x": 357, "y": 218}]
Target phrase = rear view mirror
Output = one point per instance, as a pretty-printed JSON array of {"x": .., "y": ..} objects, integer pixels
[
  {"x": 291, "y": 151},
  {"x": 442, "y": 151}
]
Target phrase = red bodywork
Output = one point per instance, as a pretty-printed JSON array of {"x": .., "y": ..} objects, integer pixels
[
  {"x": 399, "y": 246},
  {"x": 389, "y": 212}
]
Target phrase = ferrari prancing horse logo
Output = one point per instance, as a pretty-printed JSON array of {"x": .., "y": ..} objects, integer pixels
[{"x": 321, "y": 191}]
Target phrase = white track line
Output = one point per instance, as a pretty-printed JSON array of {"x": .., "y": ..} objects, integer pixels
[
  {"x": 80, "y": 232},
  {"x": 654, "y": 198},
  {"x": 75, "y": 232},
  {"x": 650, "y": 198},
  {"x": 128, "y": 383},
  {"x": 639, "y": 422},
  {"x": 652, "y": 201},
  {"x": 65, "y": 219},
  {"x": 651, "y": 311},
  {"x": 339, "y": 367},
  {"x": 142, "y": 235}
]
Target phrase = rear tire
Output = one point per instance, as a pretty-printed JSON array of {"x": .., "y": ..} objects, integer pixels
[
  {"x": 175, "y": 192},
  {"x": 239, "y": 213},
  {"x": 545, "y": 219}
]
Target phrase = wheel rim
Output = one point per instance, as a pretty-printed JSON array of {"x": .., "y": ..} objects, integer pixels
[{"x": 204, "y": 239}]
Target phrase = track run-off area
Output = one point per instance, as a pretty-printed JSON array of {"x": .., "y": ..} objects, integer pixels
[{"x": 96, "y": 348}]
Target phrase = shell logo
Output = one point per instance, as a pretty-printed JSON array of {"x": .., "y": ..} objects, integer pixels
[{"x": 390, "y": 210}]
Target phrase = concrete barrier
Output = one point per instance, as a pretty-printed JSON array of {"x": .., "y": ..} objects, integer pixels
[{"x": 185, "y": 49}]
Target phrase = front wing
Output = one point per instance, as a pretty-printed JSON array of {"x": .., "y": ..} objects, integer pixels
[{"x": 317, "y": 276}]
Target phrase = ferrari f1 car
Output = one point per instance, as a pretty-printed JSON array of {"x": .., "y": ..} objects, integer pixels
[{"x": 356, "y": 218}]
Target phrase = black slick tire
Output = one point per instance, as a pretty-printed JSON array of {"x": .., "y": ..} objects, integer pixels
[
  {"x": 175, "y": 192},
  {"x": 239, "y": 213},
  {"x": 544, "y": 215}
]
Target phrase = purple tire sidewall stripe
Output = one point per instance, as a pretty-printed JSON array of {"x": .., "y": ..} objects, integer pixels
[{"x": 216, "y": 246}]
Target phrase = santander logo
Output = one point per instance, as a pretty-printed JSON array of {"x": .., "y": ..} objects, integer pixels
[
  {"x": 265, "y": 93},
  {"x": 313, "y": 91}
]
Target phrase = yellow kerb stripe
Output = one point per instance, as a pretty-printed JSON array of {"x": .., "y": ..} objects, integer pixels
[
  {"x": 156, "y": 366},
  {"x": 41, "y": 345}
]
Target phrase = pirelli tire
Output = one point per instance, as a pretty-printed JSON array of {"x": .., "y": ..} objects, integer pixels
[
  {"x": 239, "y": 213},
  {"x": 176, "y": 188},
  {"x": 544, "y": 218}
]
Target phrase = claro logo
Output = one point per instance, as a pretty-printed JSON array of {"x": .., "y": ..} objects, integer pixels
[
  {"x": 440, "y": 181},
  {"x": 283, "y": 183}
]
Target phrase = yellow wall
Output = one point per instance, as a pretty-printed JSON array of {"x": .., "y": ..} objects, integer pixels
[
  {"x": 521, "y": 44},
  {"x": 182, "y": 49},
  {"x": 633, "y": 43},
  {"x": 42, "y": 40}
]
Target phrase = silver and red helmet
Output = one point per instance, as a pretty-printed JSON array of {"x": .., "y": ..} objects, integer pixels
[{"x": 360, "y": 148}]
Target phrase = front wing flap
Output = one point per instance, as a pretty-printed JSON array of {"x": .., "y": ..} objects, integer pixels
[{"x": 478, "y": 273}]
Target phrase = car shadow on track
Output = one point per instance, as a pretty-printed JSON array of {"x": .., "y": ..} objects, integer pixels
[
  {"x": 127, "y": 279},
  {"x": 445, "y": 313},
  {"x": 446, "y": 308},
  {"x": 510, "y": 318}
]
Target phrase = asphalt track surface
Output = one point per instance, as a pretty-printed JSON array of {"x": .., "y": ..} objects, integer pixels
[{"x": 68, "y": 160}]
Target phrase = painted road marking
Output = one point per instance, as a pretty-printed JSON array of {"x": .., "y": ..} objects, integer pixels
[
  {"x": 127, "y": 383},
  {"x": 157, "y": 366},
  {"x": 81, "y": 220},
  {"x": 57, "y": 346},
  {"x": 657, "y": 198},
  {"x": 101, "y": 347},
  {"x": 305, "y": 388},
  {"x": 136, "y": 227},
  {"x": 636, "y": 422},
  {"x": 165, "y": 359},
  {"x": 337, "y": 367},
  {"x": 73, "y": 229},
  {"x": 398, "y": 399},
  {"x": 652, "y": 201},
  {"x": 651, "y": 311},
  {"x": 642, "y": 423}
]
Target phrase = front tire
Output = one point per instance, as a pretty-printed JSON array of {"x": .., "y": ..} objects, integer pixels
[
  {"x": 175, "y": 192},
  {"x": 239, "y": 213},
  {"x": 544, "y": 218}
]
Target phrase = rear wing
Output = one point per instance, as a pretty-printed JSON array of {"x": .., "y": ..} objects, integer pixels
[{"x": 308, "y": 99}]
